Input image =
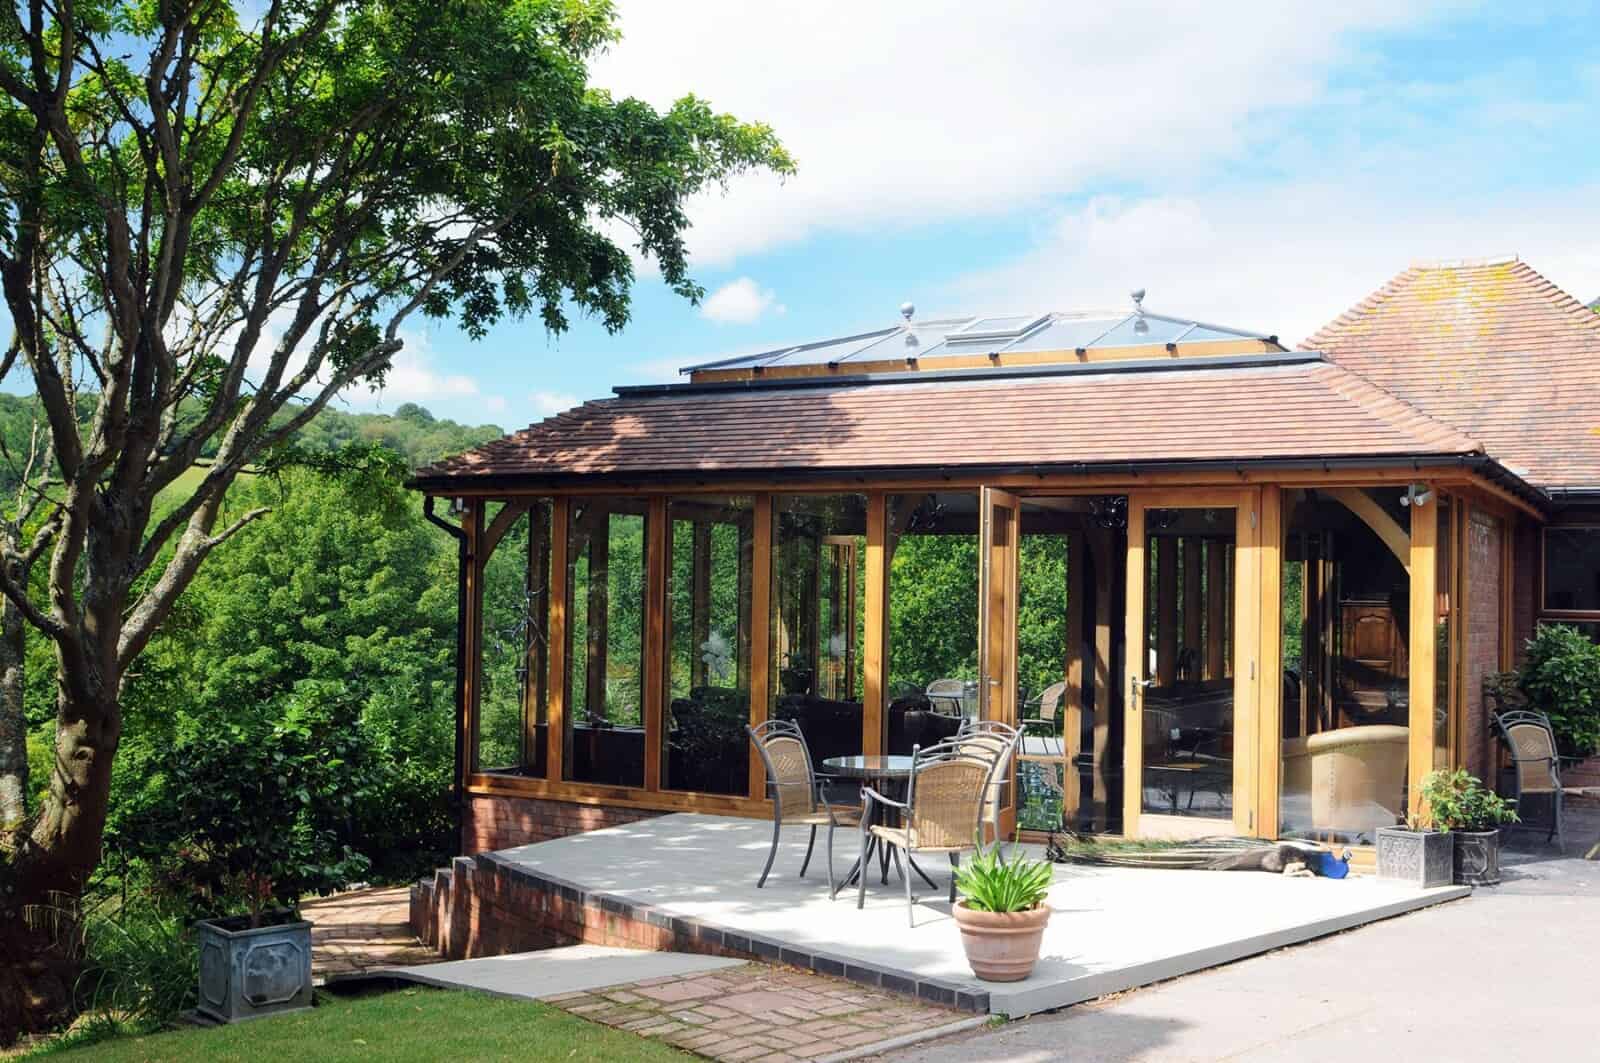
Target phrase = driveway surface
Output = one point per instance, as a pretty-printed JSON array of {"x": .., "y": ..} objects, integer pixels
[{"x": 1511, "y": 973}]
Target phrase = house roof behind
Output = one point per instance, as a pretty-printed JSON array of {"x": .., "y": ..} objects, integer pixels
[
  {"x": 1493, "y": 349},
  {"x": 1270, "y": 407}
]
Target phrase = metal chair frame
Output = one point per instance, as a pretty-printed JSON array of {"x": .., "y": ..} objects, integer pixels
[
  {"x": 1504, "y": 722},
  {"x": 1049, "y": 704},
  {"x": 760, "y": 735},
  {"x": 1005, "y": 740},
  {"x": 951, "y": 750}
]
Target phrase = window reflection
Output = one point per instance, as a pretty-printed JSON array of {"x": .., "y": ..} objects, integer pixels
[{"x": 606, "y": 598}]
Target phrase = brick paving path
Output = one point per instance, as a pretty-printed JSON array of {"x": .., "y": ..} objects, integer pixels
[
  {"x": 352, "y": 932},
  {"x": 759, "y": 1012}
]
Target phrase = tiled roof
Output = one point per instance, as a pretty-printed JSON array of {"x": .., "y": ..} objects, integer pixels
[
  {"x": 1495, "y": 350},
  {"x": 1301, "y": 408}
]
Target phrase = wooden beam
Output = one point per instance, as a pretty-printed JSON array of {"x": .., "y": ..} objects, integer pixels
[
  {"x": 1266, "y": 707},
  {"x": 1377, "y": 518},
  {"x": 536, "y": 690},
  {"x": 1133, "y": 731},
  {"x": 654, "y": 679},
  {"x": 472, "y": 628},
  {"x": 560, "y": 610},
  {"x": 1424, "y": 603},
  {"x": 875, "y": 653},
  {"x": 1166, "y": 591},
  {"x": 759, "y": 628},
  {"x": 503, "y": 521},
  {"x": 1217, "y": 480}
]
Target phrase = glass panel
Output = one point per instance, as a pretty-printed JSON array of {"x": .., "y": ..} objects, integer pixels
[
  {"x": 606, "y": 599},
  {"x": 1188, "y": 709},
  {"x": 1346, "y": 706},
  {"x": 708, "y": 663},
  {"x": 933, "y": 617},
  {"x": 516, "y": 605},
  {"x": 817, "y": 622},
  {"x": 1045, "y": 598},
  {"x": 1572, "y": 569}
]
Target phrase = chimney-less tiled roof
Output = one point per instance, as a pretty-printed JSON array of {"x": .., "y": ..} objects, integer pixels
[
  {"x": 1296, "y": 408},
  {"x": 1493, "y": 349}
]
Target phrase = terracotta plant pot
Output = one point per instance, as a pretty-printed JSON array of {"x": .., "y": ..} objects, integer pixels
[{"x": 1002, "y": 946}]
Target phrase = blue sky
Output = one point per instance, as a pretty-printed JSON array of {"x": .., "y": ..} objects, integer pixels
[{"x": 1262, "y": 165}]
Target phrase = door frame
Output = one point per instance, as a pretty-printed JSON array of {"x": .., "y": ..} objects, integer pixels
[
  {"x": 1246, "y": 632},
  {"x": 997, "y": 625}
]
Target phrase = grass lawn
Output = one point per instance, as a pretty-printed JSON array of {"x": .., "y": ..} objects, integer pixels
[{"x": 403, "y": 1024}]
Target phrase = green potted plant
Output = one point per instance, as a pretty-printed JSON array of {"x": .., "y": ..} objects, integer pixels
[
  {"x": 1002, "y": 914},
  {"x": 1472, "y": 813},
  {"x": 1417, "y": 853}
]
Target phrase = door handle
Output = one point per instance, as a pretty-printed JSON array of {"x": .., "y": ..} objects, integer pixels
[{"x": 1137, "y": 686}]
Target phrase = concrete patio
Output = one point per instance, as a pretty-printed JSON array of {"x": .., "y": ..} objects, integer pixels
[{"x": 1113, "y": 929}]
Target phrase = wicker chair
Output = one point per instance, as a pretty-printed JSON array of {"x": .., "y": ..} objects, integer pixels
[
  {"x": 948, "y": 696},
  {"x": 1532, "y": 742},
  {"x": 798, "y": 796},
  {"x": 1000, "y": 741},
  {"x": 1047, "y": 722},
  {"x": 942, "y": 813}
]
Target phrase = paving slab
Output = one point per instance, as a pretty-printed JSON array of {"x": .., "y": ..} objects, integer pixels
[
  {"x": 1113, "y": 928},
  {"x": 553, "y": 972}
]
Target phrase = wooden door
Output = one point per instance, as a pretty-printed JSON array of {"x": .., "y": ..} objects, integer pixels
[
  {"x": 1187, "y": 753},
  {"x": 997, "y": 622}
]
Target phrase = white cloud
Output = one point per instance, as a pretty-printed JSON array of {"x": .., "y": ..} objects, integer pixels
[
  {"x": 905, "y": 114},
  {"x": 549, "y": 403},
  {"x": 740, "y": 302},
  {"x": 1284, "y": 259}
]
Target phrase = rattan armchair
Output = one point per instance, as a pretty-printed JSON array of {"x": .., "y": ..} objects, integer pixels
[
  {"x": 948, "y": 696},
  {"x": 1046, "y": 722},
  {"x": 1532, "y": 742},
  {"x": 799, "y": 797},
  {"x": 999, "y": 740},
  {"x": 942, "y": 812}
]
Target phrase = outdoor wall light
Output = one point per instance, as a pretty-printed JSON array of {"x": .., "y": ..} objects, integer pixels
[
  {"x": 458, "y": 506},
  {"x": 1416, "y": 495}
]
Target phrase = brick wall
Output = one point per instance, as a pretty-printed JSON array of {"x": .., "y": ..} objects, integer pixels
[
  {"x": 1481, "y": 640},
  {"x": 1524, "y": 586},
  {"x": 485, "y": 905},
  {"x": 490, "y": 823}
]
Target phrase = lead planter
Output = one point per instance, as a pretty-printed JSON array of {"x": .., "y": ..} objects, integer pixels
[
  {"x": 1477, "y": 857},
  {"x": 247, "y": 972},
  {"x": 1424, "y": 858},
  {"x": 1002, "y": 946}
]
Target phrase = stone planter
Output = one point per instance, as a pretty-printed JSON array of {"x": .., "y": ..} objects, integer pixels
[
  {"x": 1422, "y": 858},
  {"x": 246, "y": 973},
  {"x": 1002, "y": 946},
  {"x": 1477, "y": 857}
]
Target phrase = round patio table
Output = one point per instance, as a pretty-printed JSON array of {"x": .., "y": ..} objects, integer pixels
[{"x": 882, "y": 773}]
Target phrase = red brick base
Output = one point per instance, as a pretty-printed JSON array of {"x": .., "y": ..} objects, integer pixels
[
  {"x": 486, "y": 906},
  {"x": 490, "y": 823}
]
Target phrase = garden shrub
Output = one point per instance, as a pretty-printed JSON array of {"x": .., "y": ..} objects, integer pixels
[{"x": 1561, "y": 676}]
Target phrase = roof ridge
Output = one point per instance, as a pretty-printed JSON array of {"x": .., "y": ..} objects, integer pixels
[
  {"x": 1348, "y": 383},
  {"x": 1376, "y": 298}
]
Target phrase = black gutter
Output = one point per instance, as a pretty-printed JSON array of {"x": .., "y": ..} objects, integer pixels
[
  {"x": 463, "y": 559},
  {"x": 1003, "y": 372},
  {"x": 1477, "y": 462}
]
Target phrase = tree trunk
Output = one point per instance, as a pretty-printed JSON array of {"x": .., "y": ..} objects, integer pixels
[
  {"x": 63, "y": 848},
  {"x": 13, "y": 726}
]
